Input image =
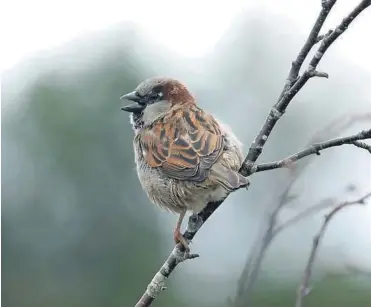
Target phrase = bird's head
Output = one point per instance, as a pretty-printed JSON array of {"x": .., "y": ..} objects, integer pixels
[{"x": 153, "y": 98}]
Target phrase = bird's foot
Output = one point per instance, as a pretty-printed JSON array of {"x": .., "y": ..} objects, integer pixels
[{"x": 178, "y": 238}]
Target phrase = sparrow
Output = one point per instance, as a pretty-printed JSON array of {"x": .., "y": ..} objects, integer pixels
[{"x": 184, "y": 156}]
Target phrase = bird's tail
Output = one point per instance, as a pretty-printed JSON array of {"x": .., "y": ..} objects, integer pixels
[{"x": 229, "y": 179}]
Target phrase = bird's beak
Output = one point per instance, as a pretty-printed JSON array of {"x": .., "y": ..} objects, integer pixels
[
  {"x": 133, "y": 96},
  {"x": 136, "y": 107}
]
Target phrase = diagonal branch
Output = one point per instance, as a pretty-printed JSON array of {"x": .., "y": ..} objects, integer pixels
[
  {"x": 256, "y": 148},
  {"x": 315, "y": 149},
  {"x": 284, "y": 99},
  {"x": 327, "y": 41},
  {"x": 303, "y": 289},
  {"x": 312, "y": 39}
]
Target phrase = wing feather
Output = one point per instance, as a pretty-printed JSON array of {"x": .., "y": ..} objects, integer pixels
[{"x": 184, "y": 144}]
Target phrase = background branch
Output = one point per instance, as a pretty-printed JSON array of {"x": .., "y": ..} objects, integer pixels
[
  {"x": 325, "y": 203},
  {"x": 270, "y": 229},
  {"x": 303, "y": 289},
  {"x": 290, "y": 89}
]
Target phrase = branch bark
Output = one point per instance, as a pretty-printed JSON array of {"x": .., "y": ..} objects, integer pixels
[
  {"x": 312, "y": 39},
  {"x": 290, "y": 89},
  {"x": 315, "y": 149},
  {"x": 303, "y": 289}
]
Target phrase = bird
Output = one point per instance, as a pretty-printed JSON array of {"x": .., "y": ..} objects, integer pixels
[{"x": 184, "y": 156}]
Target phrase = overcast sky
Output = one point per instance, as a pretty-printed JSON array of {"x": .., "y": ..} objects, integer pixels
[{"x": 189, "y": 27}]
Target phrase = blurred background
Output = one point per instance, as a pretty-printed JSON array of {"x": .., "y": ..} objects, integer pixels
[{"x": 77, "y": 230}]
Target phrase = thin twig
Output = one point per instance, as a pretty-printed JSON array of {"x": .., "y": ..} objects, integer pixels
[
  {"x": 303, "y": 289},
  {"x": 325, "y": 203},
  {"x": 337, "y": 126},
  {"x": 315, "y": 149},
  {"x": 334, "y": 129},
  {"x": 329, "y": 39},
  {"x": 312, "y": 39},
  {"x": 362, "y": 145}
]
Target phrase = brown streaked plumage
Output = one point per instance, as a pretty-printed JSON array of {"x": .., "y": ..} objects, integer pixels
[
  {"x": 185, "y": 143},
  {"x": 184, "y": 156}
]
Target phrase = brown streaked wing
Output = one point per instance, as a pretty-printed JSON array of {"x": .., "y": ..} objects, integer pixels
[{"x": 186, "y": 147}]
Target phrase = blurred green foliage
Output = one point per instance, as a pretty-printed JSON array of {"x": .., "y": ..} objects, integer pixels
[{"x": 77, "y": 230}]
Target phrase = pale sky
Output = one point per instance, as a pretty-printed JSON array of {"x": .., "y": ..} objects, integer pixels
[{"x": 190, "y": 27}]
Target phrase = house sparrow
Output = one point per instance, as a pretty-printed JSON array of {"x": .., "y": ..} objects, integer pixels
[{"x": 184, "y": 157}]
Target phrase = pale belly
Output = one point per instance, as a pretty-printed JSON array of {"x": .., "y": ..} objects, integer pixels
[{"x": 175, "y": 195}]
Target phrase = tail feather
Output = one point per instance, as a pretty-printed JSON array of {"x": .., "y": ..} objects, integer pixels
[{"x": 229, "y": 179}]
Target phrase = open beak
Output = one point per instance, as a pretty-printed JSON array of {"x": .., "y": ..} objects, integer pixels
[{"x": 135, "y": 107}]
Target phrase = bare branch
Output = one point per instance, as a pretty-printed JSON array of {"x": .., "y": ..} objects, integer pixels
[
  {"x": 289, "y": 91},
  {"x": 178, "y": 255},
  {"x": 329, "y": 39},
  {"x": 315, "y": 149},
  {"x": 337, "y": 126},
  {"x": 302, "y": 215},
  {"x": 303, "y": 289},
  {"x": 312, "y": 39},
  {"x": 332, "y": 130}
]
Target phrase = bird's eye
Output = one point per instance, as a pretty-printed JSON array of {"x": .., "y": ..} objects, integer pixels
[{"x": 154, "y": 96}]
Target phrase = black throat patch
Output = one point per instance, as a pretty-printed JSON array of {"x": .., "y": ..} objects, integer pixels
[{"x": 137, "y": 120}]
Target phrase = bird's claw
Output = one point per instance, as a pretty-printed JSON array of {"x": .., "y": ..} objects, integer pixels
[{"x": 178, "y": 238}]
